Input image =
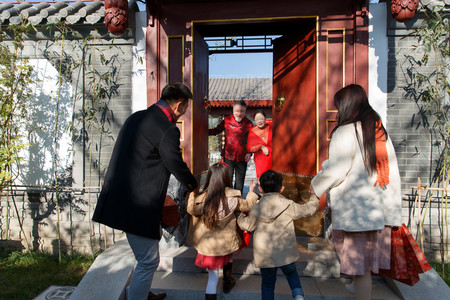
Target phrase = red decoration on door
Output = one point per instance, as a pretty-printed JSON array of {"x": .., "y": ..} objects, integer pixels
[
  {"x": 116, "y": 16},
  {"x": 404, "y": 10}
]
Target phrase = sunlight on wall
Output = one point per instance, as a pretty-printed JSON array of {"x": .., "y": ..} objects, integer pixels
[
  {"x": 378, "y": 51},
  {"x": 37, "y": 169},
  {"x": 139, "y": 78}
]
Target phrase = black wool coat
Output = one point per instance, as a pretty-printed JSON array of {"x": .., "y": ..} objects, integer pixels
[{"x": 146, "y": 152}]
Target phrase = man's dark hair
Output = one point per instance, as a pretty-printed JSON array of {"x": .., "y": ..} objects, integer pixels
[
  {"x": 271, "y": 181},
  {"x": 173, "y": 92},
  {"x": 240, "y": 102}
]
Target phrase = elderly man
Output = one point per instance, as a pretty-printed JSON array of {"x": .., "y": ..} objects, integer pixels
[{"x": 235, "y": 153}]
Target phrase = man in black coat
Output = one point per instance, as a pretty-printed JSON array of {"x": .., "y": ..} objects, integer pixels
[{"x": 146, "y": 152}]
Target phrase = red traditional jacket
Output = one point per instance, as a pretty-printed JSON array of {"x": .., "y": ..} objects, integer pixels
[
  {"x": 256, "y": 139},
  {"x": 236, "y": 134}
]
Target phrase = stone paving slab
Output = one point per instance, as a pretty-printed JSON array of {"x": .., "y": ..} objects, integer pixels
[
  {"x": 56, "y": 292},
  {"x": 192, "y": 286},
  {"x": 108, "y": 277},
  {"x": 430, "y": 286}
]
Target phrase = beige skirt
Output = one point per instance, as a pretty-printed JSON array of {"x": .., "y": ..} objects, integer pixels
[{"x": 363, "y": 250}]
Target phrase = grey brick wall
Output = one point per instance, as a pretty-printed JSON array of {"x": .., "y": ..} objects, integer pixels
[
  {"x": 414, "y": 144},
  {"x": 36, "y": 207}
]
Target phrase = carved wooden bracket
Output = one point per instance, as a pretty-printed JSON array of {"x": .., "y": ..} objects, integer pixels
[
  {"x": 116, "y": 16},
  {"x": 404, "y": 10}
]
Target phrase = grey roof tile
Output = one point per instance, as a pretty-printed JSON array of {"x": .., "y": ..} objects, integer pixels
[
  {"x": 40, "y": 13},
  {"x": 84, "y": 11},
  {"x": 240, "y": 88},
  {"x": 90, "y": 8},
  {"x": 14, "y": 11},
  {"x": 5, "y": 6},
  {"x": 72, "y": 9},
  {"x": 33, "y": 10}
]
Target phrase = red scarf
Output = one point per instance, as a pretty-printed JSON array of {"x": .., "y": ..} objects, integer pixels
[{"x": 382, "y": 157}]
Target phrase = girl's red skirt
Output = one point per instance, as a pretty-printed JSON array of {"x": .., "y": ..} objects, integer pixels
[{"x": 212, "y": 262}]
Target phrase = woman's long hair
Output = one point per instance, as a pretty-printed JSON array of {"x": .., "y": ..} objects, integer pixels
[
  {"x": 217, "y": 179},
  {"x": 353, "y": 106}
]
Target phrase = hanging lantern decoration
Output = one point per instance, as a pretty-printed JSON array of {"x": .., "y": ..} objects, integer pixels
[
  {"x": 116, "y": 16},
  {"x": 404, "y": 10}
]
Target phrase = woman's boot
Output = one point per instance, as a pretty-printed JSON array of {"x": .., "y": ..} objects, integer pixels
[
  {"x": 210, "y": 296},
  {"x": 228, "y": 281}
]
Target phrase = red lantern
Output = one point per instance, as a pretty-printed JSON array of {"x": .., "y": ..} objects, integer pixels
[
  {"x": 116, "y": 16},
  {"x": 404, "y": 10}
]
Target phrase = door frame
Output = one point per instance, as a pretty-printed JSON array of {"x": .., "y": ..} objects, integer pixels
[{"x": 253, "y": 20}]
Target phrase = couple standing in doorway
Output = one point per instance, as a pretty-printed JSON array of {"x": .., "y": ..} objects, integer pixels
[{"x": 242, "y": 139}]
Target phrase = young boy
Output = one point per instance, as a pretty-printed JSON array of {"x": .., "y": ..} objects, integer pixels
[{"x": 274, "y": 241}]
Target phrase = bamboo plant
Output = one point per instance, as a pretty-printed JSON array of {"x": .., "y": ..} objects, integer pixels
[{"x": 428, "y": 79}]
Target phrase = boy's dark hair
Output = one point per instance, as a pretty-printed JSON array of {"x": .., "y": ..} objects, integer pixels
[
  {"x": 271, "y": 181},
  {"x": 174, "y": 92}
]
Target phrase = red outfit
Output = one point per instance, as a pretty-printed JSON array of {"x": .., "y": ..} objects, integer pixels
[
  {"x": 257, "y": 137},
  {"x": 212, "y": 262},
  {"x": 235, "y": 137}
]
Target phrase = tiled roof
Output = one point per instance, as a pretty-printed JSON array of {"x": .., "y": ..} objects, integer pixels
[
  {"x": 250, "y": 103},
  {"x": 231, "y": 89},
  {"x": 80, "y": 13}
]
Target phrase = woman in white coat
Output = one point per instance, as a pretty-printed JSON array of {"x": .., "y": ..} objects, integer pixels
[{"x": 365, "y": 195}]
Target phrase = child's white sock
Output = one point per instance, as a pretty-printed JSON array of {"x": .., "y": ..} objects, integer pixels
[{"x": 213, "y": 279}]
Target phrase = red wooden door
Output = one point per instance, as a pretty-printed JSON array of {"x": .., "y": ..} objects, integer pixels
[
  {"x": 199, "y": 118},
  {"x": 294, "y": 129},
  {"x": 294, "y": 126}
]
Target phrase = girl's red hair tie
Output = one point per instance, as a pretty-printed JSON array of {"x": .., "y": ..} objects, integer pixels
[{"x": 223, "y": 163}]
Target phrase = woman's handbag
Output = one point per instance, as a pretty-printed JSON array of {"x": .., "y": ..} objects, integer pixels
[{"x": 407, "y": 260}]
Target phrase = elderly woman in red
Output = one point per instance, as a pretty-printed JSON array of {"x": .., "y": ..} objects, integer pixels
[{"x": 259, "y": 142}]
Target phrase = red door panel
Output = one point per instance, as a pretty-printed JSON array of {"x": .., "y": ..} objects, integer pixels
[
  {"x": 294, "y": 77},
  {"x": 199, "y": 118}
]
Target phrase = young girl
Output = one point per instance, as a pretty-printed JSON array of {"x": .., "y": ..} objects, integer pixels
[{"x": 213, "y": 228}]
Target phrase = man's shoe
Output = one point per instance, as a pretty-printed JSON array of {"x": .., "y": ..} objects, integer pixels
[{"x": 157, "y": 296}]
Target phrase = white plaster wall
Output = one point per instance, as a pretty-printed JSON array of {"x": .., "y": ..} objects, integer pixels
[
  {"x": 139, "y": 83},
  {"x": 378, "y": 59},
  {"x": 38, "y": 166}
]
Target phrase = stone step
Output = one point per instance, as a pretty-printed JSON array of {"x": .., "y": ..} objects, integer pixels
[
  {"x": 108, "y": 278},
  {"x": 190, "y": 286},
  {"x": 317, "y": 258},
  {"x": 111, "y": 271}
]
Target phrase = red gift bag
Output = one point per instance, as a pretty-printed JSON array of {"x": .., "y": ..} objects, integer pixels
[
  {"x": 407, "y": 260},
  {"x": 245, "y": 235},
  {"x": 246, "y": 238},
  {"x": 170, "y": 212}
]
